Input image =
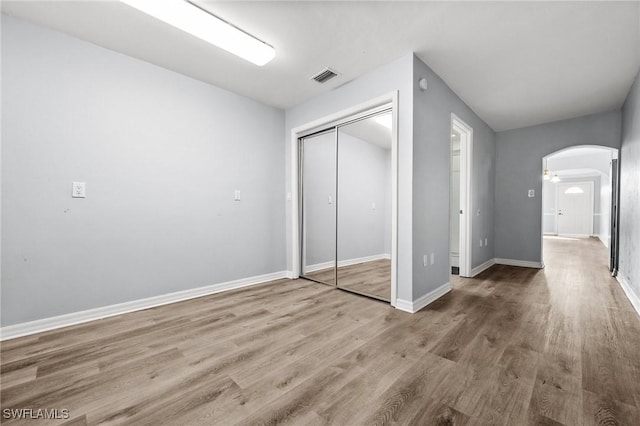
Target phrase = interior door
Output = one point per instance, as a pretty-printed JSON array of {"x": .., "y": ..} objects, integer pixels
[
  {"x": 318, "y": 162},
  {"x": 575, "y": 209}
]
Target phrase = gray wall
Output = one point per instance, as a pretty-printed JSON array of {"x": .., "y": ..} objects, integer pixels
[
  {"x": 395, "y": 76},
  {"x": 519, "y": 168},
  {"x": 161, "y": 155},
  {"x": 630, "y": 189},
  {"x": 431, "y": 164},
  {"x": 363, "y": 180}
]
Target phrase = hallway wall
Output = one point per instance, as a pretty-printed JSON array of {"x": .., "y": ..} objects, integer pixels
[
  {"x": 630, "y": 190},
  {"x": 519, "y": 155}
]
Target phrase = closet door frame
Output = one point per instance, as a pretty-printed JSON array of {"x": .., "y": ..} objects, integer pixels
[{"x": 382, "y": 103}]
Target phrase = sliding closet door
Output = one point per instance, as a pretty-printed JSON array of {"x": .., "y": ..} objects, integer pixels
[
  {"x": 364, "y": 207},
  {"x": 318, "y": 206}
]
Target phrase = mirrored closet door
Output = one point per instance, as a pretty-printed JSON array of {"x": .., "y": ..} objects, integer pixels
[
  {"x": 364, "y": 206},
  {"x": 346, "y": 206},
  {"x": 318, "y": 206}
]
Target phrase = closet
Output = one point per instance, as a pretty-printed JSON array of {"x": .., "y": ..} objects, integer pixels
[{"x": 345, "y": 205}]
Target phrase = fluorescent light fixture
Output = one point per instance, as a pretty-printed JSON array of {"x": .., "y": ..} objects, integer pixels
[
  {"x": 195, "y": 21},
  {"x": 384, "y": 120}
]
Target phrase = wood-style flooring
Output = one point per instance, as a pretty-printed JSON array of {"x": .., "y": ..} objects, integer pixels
[
  {"x": 513, "y": 346},
  {"x": 369, "y": 278}
]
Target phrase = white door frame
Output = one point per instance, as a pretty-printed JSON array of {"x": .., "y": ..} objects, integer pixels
[
  {"x": 591, "y": 206},
  {"x": 360, "y": 110},
  {"x": 466, "y": 189}
]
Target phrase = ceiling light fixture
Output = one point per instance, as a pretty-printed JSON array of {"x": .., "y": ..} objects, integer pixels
[
  {"x": 555, "y": 178},
  {"x": 200, "y": 23},
  {"x": 384, "y": 120}
]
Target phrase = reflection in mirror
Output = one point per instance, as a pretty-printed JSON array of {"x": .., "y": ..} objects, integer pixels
[
  {"x": 364, "y": 206},
  {"x": 318, "y": 196}
]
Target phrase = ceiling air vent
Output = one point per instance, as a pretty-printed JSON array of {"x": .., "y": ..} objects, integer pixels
[{"x": 324, "y": 75}]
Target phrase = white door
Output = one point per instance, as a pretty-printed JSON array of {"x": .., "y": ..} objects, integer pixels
[{"x": 575, "y": 209}]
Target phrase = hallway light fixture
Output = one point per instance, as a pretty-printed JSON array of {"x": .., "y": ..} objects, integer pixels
[
  {"x": 555, "y": 178},
  {"x": 546, "y": 175},
  {"x": 198, "y": 22}
]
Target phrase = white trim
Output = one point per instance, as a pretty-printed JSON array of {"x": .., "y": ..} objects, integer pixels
[
  {"x": 466, "y": 190},
  {"x": 481, "y": 268},
  {"x": 347, "y": 262},
  {"x": 51, "y": 323},
  {"x": 521, "y": 263},
  {"x": 334, "y": 119},
  {"x": 604, "y": 239},
  {"x": 421, "y": 302},
  {"x": 628, "y": 291}
]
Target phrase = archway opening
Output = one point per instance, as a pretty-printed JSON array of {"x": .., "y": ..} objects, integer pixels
[{"x": 579, "y": 198}]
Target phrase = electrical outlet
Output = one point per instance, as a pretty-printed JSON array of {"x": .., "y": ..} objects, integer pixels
[
  {"x": 424, "y": 260},
  {"x": 236, "y": 195},
  {"x": 531, "y": 193},
  {"x": 79, "y": 190}
]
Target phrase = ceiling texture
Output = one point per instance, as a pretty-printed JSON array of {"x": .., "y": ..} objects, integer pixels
[{"x": 514, "y": 63}]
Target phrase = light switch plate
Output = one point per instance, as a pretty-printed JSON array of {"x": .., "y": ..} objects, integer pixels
[{"x": 79, "y": 190}]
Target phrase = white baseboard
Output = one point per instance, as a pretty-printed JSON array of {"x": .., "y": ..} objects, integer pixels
[
  {"x": 522, "y": 263},
  {"x": 432, "y": 296},
  {"x": 604, "y": 239},
  {"x": 46, "y": 324},
  {"x": 348, "y": 262},
  {"x": 631, "y": 295},
  {"x": 483, "y": 267}
]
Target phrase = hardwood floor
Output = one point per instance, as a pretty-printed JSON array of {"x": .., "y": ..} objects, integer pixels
[
  {"x": 513, "y": 346},
  {"x": 372, "y": 278},
  {"x": 369, "y": 278}
]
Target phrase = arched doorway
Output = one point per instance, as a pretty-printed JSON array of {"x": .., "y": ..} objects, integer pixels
[{"x": 579, "y": 196}]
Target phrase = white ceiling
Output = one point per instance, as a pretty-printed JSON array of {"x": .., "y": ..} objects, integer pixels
[{"x": 514, "y": 63}]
